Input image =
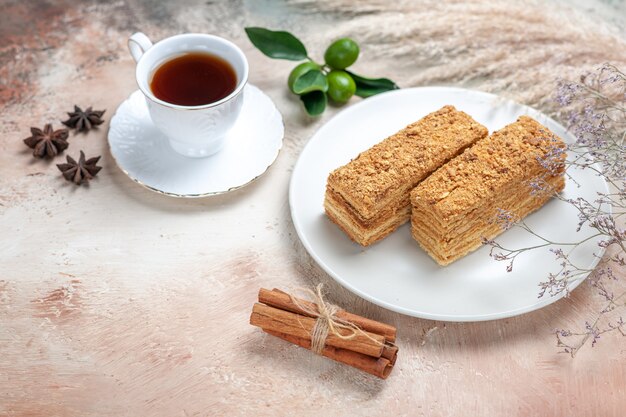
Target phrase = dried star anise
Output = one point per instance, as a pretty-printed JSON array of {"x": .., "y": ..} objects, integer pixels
[
  {"x": 83, "y": 170},
  {"x": 84, "y": 120},
  {"x": 47, "y": 142}
]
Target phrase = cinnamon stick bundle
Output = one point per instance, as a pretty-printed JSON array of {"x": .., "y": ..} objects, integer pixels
[{"x": 365, "y": 344}]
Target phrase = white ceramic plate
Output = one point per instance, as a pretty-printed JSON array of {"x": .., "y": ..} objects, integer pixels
[
  {"x": 144, "y": 153},
  {"x": 396, "y": 273}
]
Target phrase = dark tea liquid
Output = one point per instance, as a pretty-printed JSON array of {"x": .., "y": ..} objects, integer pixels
[{"x": 193, "y": 79}]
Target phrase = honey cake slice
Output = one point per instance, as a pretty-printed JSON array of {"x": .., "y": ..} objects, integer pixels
[
  {"x": 456, "y": 207},
  {"x": 369, "y": 197}
]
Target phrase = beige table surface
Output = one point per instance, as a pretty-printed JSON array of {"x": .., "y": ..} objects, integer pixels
[{"x": 115, "y": 301}]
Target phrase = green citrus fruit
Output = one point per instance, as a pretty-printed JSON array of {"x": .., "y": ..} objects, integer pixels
[
  {"x": 342, "y": 53},
  {"x": 300, "y": 70},
  {"x": 340, "y": 86}
]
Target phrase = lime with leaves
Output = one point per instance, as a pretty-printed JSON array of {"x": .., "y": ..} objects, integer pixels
[
  {"x": 342, "y": 53},
  {"x": 341, "y": 86},
  {"x": 316, "y": 83},
  {"x": 299, "y": 71}
]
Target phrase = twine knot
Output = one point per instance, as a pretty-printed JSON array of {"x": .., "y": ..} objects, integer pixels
[{"x": 326, "y": 322}]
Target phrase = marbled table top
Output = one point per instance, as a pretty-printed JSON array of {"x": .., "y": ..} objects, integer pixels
[{"x": 116, "y": 301}]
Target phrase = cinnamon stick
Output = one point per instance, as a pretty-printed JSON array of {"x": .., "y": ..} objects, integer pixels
[
  {"x": 277, "y": 320},
  {"x": 390, "y": 351},
  {"x": 380, "y": 367},
  {"x": 279, "y": 299}
]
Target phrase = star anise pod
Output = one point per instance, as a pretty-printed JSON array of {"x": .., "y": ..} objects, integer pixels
[
  {"x": 47, "y": 142},
  {"x": 84, "y": 120},
  {"x": 83, "y": 170}
]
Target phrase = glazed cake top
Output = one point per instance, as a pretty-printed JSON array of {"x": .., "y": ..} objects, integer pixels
[
  {"x": 500, "y": 163},
  {"x": 389, "y": 169}
]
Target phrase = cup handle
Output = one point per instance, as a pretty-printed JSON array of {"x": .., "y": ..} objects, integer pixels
[{"x": 138, "y": 44}]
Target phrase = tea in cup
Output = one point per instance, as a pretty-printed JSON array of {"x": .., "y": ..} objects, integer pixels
[{"x": 193, "y": 85}]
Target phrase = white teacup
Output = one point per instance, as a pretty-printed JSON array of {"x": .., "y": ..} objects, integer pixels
[{"x": 194, "y": 131}]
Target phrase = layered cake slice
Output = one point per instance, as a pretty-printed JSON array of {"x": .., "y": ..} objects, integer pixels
[
  {"x": 457, "y": 206},
  {"x": 368, "y": 198}
]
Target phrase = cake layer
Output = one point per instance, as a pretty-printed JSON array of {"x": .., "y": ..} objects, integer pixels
[
  {"x": 506, "y": 157},
  {"x": 458, "y": 224},
  {"x": 371, "y": 193},
  {"x": 340, "y": 212},
  {"x": 335, "y": 199},
  {"x": 456, "y": 245},
  {"x": 471, "y": 241},
  {"x": 366, "y": 235},
  {"x": 454, "y": 208},
  {"x": 394, "y": 166}
]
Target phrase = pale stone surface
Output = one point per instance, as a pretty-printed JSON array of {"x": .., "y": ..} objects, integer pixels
[{"x": 115, "y": 301}]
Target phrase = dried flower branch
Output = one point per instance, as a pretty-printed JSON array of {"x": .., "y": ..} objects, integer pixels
[{"x": 594, "y": 109}]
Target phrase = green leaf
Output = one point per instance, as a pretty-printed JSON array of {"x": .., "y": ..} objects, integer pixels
[
  {"x": 366, "y": 87},
  {"x": 313, "y": 80},
  {"x": 277, "y": 45},
  {"x": 314, "y": 102}
]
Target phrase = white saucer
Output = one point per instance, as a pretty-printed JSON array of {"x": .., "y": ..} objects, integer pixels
[{"x": 144, "y": 153}]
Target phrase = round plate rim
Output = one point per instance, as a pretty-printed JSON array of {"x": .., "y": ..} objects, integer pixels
[{"x": 399, "y": 309}]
